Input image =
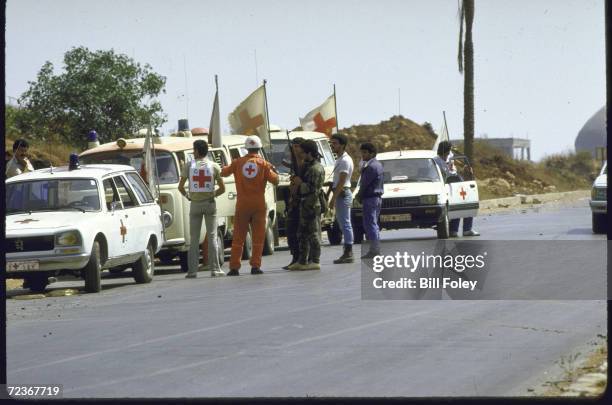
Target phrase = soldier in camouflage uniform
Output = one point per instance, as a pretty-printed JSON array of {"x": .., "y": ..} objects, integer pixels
[
  {"x": 295, "y": 162},
  {"x": 310, "y": 186}
]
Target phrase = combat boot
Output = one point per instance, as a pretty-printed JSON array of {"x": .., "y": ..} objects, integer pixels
[{"x": 347, "y": 256}]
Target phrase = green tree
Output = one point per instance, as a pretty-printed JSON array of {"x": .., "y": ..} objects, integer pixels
[
  {"x": 465, "y": 58},
  {"x": 101, "y": 90}
]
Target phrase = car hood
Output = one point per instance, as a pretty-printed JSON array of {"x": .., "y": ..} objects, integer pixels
[
  {"x": 394, "y": 190},
  {"x": 48, "y": 220},
  {"x": 601, "y": 181}
]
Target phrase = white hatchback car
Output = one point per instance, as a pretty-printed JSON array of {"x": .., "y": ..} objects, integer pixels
[
  {"x": 417, "y": 196},
  {"x": 599, "y": 200},
  {"x": 80, "y": 221}
]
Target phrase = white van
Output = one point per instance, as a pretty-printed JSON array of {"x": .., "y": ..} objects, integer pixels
[
  {"x": 170, "y": 154},
  {"x": 417, "y": 196}
]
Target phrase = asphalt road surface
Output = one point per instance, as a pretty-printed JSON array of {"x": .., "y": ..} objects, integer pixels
[{"x": 300, "y": 333}]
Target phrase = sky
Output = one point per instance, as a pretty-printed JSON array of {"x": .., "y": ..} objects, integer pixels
[{"x": 539, "y": 64}]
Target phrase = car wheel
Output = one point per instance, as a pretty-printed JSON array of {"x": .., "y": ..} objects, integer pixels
[
  {"x": 93, "y": 270},
  {"x": 268, "y": 247},
  {"x": 247, "y": 250},
  {"x": 37, "y": 282},
  {"x": 144, "y": 267},
  {"x": 599, "y": 223},
  {"x": 442, "y": 228},
  {"x": 184, "y": 261},
  {"x": 334, "y": 234},
  {"x": 220, "y": 247}
]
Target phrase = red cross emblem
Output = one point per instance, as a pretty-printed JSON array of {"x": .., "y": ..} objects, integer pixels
[
  {"x": 249, "y": 170},
  {"x": 201, "y": 178},
  {"x": 463, "y": 193},
  {"x": 324, "y": 126},
  {"x": 249, "y": 125},
  {"x": 122, "y": 231},
  {"x": 27, "y": 221}
]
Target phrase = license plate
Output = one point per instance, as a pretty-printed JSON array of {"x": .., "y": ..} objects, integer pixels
[
  {"x": 30, "y": 265},
  {"x": 395, "y": 218}
]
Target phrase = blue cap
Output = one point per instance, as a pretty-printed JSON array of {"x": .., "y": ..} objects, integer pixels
[
  {"x": 74, "y": 161},
  {"x": 92, "y": 136}
]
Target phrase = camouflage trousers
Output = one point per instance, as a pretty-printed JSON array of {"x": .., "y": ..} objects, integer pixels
[{"x": 309, "y": 239}]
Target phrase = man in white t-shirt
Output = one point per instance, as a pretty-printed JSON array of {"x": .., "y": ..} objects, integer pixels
[
  {"x": 342, "y": 198},
  {"x": 202, "y": 175}
]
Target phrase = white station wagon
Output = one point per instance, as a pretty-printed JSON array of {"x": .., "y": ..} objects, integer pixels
[
  {"x": 599, "y": 201},
  {"x": 417, "y": 196},
  {"x": 80, "y": 221}
]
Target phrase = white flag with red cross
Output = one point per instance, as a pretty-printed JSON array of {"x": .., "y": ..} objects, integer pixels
[
  {"x": 250, "y": 117},
  {"x": 321, "y": 119},
  {"x": 148, "y": 167}
]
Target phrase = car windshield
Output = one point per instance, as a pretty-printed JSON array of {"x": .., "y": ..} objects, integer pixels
[
  {"x": 280, "y": 150},
  {"x": 52, "y": 195},
  {"x": 166, "y": 166},
  {"x": 409, "y": 170}
]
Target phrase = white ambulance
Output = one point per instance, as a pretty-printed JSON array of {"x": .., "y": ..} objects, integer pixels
[{"x": 416, "y": 194}]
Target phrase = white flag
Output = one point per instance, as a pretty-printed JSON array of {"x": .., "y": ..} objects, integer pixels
[
  {"x": 148, "y": 168},
  {"x": 250, "y": 117},
  {"x": 442, "y": 136},
  {"x": 214, "y": 131},
  {"x": 321, "y": 119}
]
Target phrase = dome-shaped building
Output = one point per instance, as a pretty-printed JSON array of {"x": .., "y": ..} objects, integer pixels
[{"x": 592, "y": 136}]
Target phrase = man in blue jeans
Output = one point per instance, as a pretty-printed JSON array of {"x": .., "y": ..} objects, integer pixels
[
  {"x": 370, "y": 196},
  {"x": 342, "y": 198}
]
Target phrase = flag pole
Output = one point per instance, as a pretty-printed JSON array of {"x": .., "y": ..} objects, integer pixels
[
  {"x": 336, "y": 109},
  {"x": 445, "y": 125},
  {"x": 267, "y": 113}
]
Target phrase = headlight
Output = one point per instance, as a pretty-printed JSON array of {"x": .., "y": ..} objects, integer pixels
[
  {"x": 429, "y": 199},
  {"x": 167, "y": 218},
  {"x": 599, "y": 193},
  {"x": 70, "y": 238}
]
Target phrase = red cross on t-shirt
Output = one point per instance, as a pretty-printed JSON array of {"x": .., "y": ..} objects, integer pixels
[{"x": 201, "y": 178}]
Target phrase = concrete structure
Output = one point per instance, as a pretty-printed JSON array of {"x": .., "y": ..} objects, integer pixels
[
  {"x": 592, "y": 136},
  {"x": 516, "y": 148}
]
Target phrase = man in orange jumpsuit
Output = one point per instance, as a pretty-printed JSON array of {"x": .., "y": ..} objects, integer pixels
[{"x": 251, "y": 173}]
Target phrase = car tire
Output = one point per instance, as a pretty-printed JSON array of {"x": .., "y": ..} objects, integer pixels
[
  {"x": 268, "y": 247},
  {"x": 93, "y": 270},
  {"x": 144, "y": 268},
  {"x": 334, "y": 234},
  {"x": 442, "y": 229},
  {"x": 38, "y": 282},
  {"x": 184, "y": 261},
  {"x": 247, "y": 249},
  {"x": 599, "y": 223},
  {"x": 220, "y": 247}
]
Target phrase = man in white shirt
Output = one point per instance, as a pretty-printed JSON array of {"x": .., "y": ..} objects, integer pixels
[
  {"x": 20, "y": 162},
  {"x": 342, "y": 198},
  {"x": 202, "y": 176}
]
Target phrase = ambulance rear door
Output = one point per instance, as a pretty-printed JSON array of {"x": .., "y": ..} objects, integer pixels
[{"x": 462, "y": 195}]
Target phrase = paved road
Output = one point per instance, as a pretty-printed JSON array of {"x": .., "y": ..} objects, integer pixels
[{"x": 297, "y": 334}]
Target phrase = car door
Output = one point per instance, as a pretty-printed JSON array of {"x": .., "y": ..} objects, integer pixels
[
  {"x": 462, "y": 190},
  {"x": 115, "y": 226},
  {"x": 133, "y": 220},
  {"x": 148, "y": 216},
  {"x": 226, "y": 202}
]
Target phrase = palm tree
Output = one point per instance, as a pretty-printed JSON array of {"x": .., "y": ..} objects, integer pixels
[{"x": 465, "y": 58}]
